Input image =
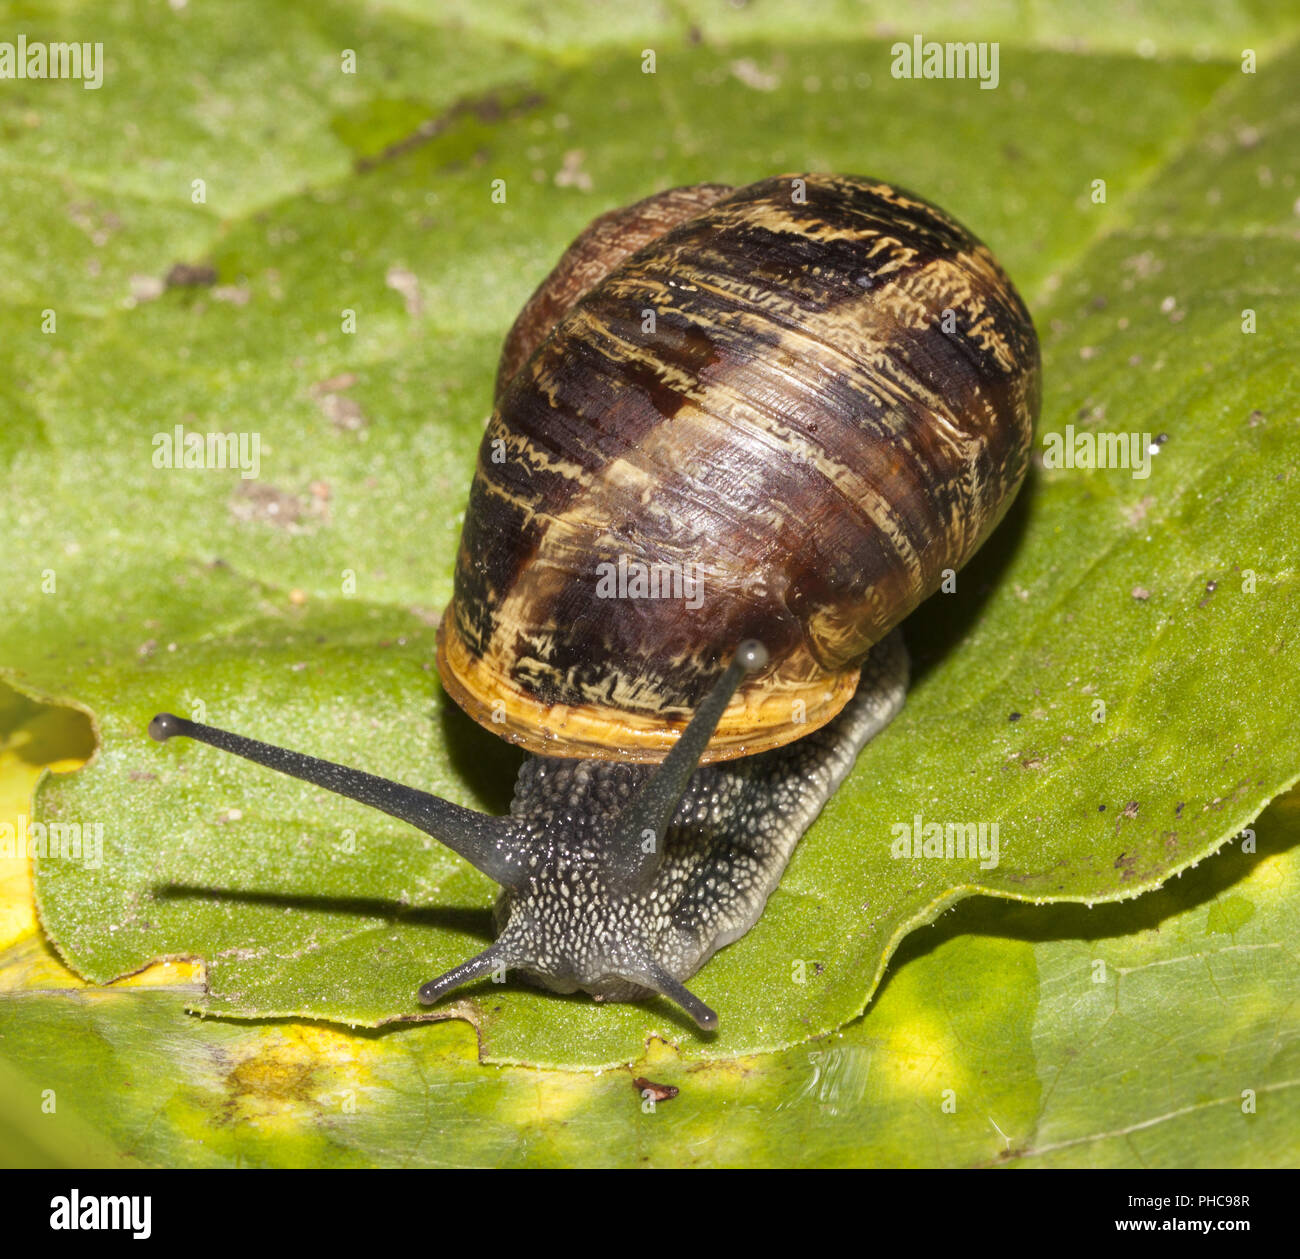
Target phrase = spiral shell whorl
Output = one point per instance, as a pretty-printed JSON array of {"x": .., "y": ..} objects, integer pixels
[{"x": 834, "y": 406}]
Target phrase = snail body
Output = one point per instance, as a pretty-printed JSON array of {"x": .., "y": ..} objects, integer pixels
[{"x": 813, "y": 397}]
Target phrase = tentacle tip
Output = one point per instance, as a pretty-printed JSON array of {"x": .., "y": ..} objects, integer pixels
[
  {"x": 752, "y": 655},
  {"x": 429, "y": 993},
  {"x": 164, "y": 725},
  {"x": 706, "y": 1019}
]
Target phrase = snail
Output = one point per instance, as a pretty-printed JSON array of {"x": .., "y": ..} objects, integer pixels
[{"x": 739, "y": 434}]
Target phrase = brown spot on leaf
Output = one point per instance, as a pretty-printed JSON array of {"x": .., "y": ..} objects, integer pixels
[
  {"x": 267, "y": 1084},
  {"x": 344, "y": 413},
  {"x": 487, "y": 109},
  {"x": 190, "y": 275},
  {"x": 258, "y": 503}
]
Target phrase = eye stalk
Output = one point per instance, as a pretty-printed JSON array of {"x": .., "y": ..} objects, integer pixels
[
  {"x": 507, "y": 852},
  {"x": 483, "y": 840},
  {"x": 632, "y": 858}
]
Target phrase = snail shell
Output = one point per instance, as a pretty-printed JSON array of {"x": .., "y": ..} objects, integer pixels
[{"x": 816, "y": 393}]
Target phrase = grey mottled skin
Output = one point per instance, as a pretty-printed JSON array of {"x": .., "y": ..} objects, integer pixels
[
  {"x": 570, "y": 928},
  {"x": 624, "y": 879}
]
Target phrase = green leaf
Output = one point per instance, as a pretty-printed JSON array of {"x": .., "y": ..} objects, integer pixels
[
  {"x": 297, "y": 606},
  {"x": 1139, "y": 1034}
]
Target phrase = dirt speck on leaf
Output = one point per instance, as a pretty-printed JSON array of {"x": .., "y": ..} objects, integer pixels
[
  {"x": 344, "y": 413},
  {"x": 257, "y": 503},
  {"x": 656, "y": 1092},
  {"x": 190, "y": 275}
]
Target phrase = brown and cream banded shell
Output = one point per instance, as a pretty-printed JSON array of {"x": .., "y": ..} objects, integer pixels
[{"x": 815, "y": 394}]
